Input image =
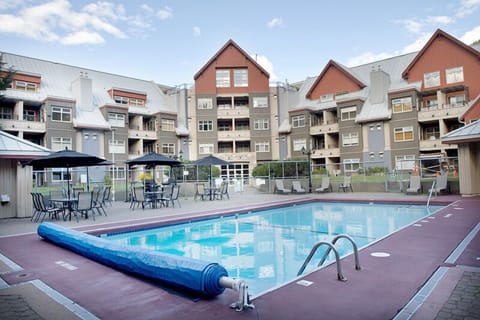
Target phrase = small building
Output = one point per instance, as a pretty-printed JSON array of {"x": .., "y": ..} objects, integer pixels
[{"x": 15, "y": 179}]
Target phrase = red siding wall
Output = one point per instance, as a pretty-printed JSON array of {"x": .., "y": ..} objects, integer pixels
[{"x": 333, "y": 81}]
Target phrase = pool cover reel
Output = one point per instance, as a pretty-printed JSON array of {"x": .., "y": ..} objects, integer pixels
[{"x": 182, "y": 272}]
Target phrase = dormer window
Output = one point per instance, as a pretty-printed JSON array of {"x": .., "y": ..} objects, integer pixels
[
  {"x": 25, "y": 86},
  {"x": 121, "y": 100},
  {"x": 128, "y": 97},
  {"x": 326, "y": 97}
]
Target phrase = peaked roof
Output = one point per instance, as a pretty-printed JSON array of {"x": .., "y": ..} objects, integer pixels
[
  {"x": 437, "y": 34},
  {"x": 219, "y": 52},
  {"x": 12, "y": 147},
  {"x": 342, "y": 69},
  {"x": 468, "y": 133}
]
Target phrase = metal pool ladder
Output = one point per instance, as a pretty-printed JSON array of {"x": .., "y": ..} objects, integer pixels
[
  {"x": 430, "y": 194},
  {"x": 331, "y": 247}
]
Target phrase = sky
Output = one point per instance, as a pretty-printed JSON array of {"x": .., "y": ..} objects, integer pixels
[{"x": 169, "y": 41}]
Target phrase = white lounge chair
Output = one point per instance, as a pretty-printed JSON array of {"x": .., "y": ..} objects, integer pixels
[
  {"x": 326, "y": 186},
  {"x": 297, "y": 187},
  {"x": 279, "y": 187},
  {"x": 414, "y": 186},
  {"x": 347, "y": 184},
  {"x": 441, "y": 184}
]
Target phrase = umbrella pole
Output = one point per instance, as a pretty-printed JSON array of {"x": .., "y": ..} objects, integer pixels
[{"x": 88, "y": 181}]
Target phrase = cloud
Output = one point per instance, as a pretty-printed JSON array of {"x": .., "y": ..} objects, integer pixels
[
  {"x": 275, "y": 23},
  {"x": 165, "y": 13},
  {"x": 82, "y": 37},
  {"x": 196, "y": 31},
  {"x": 467, "y": 7},
  {"x": 471, "y": 36},
  {"x": 266, "y": 64},
  {"x": 436, "y": 20}
]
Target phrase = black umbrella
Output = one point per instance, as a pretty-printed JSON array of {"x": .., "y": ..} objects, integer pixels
[
  {"x": 154, "y": 159},
  {"x": 211, "y": 160},
  {"x": 66, "y": 159}
]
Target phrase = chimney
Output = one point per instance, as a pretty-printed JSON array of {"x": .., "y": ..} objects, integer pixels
[
  {"x": 83, "y": 92},
  {"x": 379, "y": 84}
]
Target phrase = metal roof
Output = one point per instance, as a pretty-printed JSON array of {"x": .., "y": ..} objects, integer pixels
[
  {"x": 13, "y": 147},
  {"x": 468, "y": 133}
]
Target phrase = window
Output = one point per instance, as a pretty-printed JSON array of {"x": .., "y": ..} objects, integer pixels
[
  {"x": 456, "y": 101},
  {"x": 260, "y": 124},
  {"x": 403, "y": 134},
  {"x": 350, "y": 139},
  {"x": 432, "y": 133},
  {"x": 454, "y": 75},
  {"x": 168, "y": 125},
  {"x": 118, "y": 173},
  {"x": 431, "y": 103},
  {"x": 298, "y": 144},
  {"x": 60, "y": 143},
  {"x": 402, "y": 105},
  {"x": 205, "y": 103},
  {"x": 405, "y": 162},
  {"x": 116, "y": 146},
  {"x": 298, "y": 121},
  {"x": 431, "y": 79},
  {"x": 223, "y": 78},
  {"x": 168, "y": 148},
  {"x": 348, "y": 113},
  {"x": 6, "y": 113},
  {"x": 116, "y": 119},
  {"x": 136, "y": 102},
  {"x": 205, "y": 148},
  {"x": 205, "y": 125},
  {"x": 29, "y": 115},
  {"x": 351, "y": 165},
  {"x": 60, "y": 174},
  {"x": 120, "y": 99},
  {"x": 262, "y": 147},
  {"x": 25, "y": 86},
  {"x": 326, "y": 97},
  {"x": 240, "y": 77},
  {"x": 260, "y": 102},
  {"x": 61, "y": 114}
]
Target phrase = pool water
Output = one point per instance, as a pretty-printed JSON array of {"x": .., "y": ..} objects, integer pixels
[{"x": 267, "y": 248}]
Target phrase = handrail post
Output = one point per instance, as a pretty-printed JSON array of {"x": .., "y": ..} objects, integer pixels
[{"x": 340, "y": 276}]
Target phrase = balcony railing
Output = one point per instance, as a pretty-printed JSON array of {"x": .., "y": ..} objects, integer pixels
[
  {"x": 441, "y": 111},
  {"x": 232, "y": 113},
  {"x": 324, "y": 128},
  {"x": 23, "y": 125},
  {"x": 232, "y": 135},
  {"x": 142, "y": 134},
  {"x": 326, "y": 153}
]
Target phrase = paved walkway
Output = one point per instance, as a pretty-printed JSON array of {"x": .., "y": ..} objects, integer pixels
[{"x": 455, "y": 296}]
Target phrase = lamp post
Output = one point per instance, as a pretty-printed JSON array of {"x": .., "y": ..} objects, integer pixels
[
  {"x": 112, "y": 150},
  {"x": 308, "y": 153}
]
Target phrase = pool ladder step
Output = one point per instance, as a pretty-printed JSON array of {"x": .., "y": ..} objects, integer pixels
[{"x": 331, "y": 247}]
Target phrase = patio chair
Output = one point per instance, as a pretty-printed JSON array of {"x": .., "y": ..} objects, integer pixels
[
  {"x": 441, "y": 184},
  {"x": 84, "y": 204},
  {"x": 346, "y": 185},
  {"x": 414, "y": 185},
  {"x": 97, "y": 203},
  {"x": 297, "y": 187},
  {"x": 44, "y": 209},
  {"x": 106, "y": 196},
  {"x": 139, "y": 198},
  {"x": 76, "y": 190},
  {"x": 279, "y": 188},
  {"x": 222, "y": 191},
  {"x": 171, "y": 196},
  {"x": 325, "y": 186},
  {"x": 200, "y": 192}
]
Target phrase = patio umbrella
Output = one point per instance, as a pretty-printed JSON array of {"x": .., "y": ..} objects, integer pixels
[
  {"x": 211, "y": 160},
  {"x": 66, "y": 159},
  {"x": 154, "y": 159}
]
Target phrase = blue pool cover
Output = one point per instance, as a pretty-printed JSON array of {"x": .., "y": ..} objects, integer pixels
[{"x": 193, "y": 275}]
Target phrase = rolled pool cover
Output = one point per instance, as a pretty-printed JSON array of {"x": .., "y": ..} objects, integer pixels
[{"x": 181, "y": 272}]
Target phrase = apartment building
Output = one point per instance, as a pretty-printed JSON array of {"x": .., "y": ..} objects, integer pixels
[{"x": 387, "y": 113}]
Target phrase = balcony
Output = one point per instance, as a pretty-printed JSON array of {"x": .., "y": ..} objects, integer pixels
[
  {"x": 238, "y": 156},
  {"x": 142, "y": 134},
  {"x": 324, "y": 128},
  {"x": 441, "y": 112},
  {"x": 233, "y": 113},
  {"x": 234, "y": 135},
  {"x": 326, "y": 153},
  {"x": 23, "y": 125}
]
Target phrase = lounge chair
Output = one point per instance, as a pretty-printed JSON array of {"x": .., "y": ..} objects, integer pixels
[
  {"x": 441, "y": 184},
  {"x": 279, "y": 188},
  {"x": 326, "y": 186},
  {"x": 297, "y": 187},
  {"x": 414, "y": 186},
  {"x": 347, "y": 184}
]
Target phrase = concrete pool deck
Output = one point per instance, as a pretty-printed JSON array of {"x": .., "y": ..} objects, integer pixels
[{"x": 41, "y": 279}]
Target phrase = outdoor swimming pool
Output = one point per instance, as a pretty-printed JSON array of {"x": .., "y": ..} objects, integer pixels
[{"x": 267, "y": 248}]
